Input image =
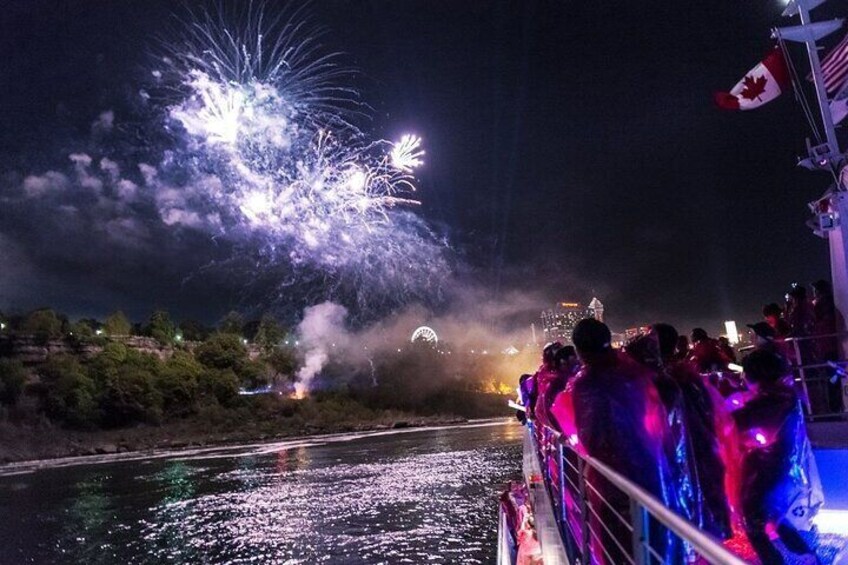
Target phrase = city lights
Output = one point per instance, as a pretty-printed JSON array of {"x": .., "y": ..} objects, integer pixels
[{"x": 731, "y": 332}]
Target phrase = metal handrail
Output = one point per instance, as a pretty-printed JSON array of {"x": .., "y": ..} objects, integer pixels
[
  {"x": 815, "y": 336},
  {"x": 642, "y": 504},
  {"x": 705, "y": 545},
  {"x": 804, "y": 369}
]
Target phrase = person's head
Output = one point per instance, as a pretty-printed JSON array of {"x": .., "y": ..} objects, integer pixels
[
  {"x": 764, "y": 368},
  {"x": 796, "y": 294},
  {"x": 566, "y": 356},
  {"x": 699, "y": 334},
  {"x": 592, "y": 339},
  {"x": 523, "y": 378},
  {"x": 723, "y": 341},
  {"x": 549, "y": 353},
  {"x": 821, "y": 288},
  {"x": 682, "y": 347},
  {"x": 763, "y": 333},
  {"x": 667, "y": 337},
  {"x": 772, "y": 314}
]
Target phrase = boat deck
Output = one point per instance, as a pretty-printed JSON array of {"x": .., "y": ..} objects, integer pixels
[{"x": 830, "y": 542}]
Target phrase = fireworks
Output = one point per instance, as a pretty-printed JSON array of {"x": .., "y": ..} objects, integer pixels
[
  {"x": 271, "y": 160},
  {"x": 407, "y": 153}
]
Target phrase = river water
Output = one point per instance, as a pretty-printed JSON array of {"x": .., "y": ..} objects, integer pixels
[{"x": 411, "y": 496}]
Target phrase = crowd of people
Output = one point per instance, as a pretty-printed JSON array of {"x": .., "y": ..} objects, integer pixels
[
  {"x": 727, "y": 451},
  {"x": 812, "y": 324}
]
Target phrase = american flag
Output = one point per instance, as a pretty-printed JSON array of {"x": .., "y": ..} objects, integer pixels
[{"x": 835, "y": 66}]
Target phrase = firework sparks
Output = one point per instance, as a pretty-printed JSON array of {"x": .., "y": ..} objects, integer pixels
[
  {"x": 407, "y": 153},
  {"x": 262, "y": 116}
]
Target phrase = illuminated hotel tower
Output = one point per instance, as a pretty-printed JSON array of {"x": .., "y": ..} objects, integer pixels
[
  {"x": 596, "y": 309},
  {"x": 558, "y": 323}
]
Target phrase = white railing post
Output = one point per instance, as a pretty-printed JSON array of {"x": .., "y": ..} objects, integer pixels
[
  {"x": 803, "y": 376},
  {"x": 562, "y": 483},
  {"x": 584, "y": 511},
  {"x": 639, "y": 523}
]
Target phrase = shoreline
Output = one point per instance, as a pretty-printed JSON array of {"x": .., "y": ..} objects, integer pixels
[{"x": 217, "y": 446}]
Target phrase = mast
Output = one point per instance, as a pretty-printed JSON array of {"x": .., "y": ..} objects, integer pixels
[
  {"x": 826, "y": 156},
  {"x": 814, "y": 32}
]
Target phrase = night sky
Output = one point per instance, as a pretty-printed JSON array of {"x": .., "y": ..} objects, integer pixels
[{"x": 572, "y": 148}]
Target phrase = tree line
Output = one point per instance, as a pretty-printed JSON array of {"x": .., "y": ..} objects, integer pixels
[
  {"x": 121, "y": 386},
  {"x": 46, "y": 324}
]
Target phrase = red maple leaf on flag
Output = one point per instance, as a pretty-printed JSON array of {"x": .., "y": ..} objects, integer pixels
[{"x": 753, "y": 87}]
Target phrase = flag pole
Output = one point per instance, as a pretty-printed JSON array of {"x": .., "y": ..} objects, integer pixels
[
  {"x": 818, "y": 79},
  {"x": 832, "y": 159}
]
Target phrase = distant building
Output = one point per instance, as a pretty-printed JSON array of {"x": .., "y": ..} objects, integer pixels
[
  {"x": 558, "y": 323},
  {"x": 596, "y": 309}
]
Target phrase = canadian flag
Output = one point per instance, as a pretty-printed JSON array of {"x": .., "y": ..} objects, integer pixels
[{"x": 762, "y": 84}]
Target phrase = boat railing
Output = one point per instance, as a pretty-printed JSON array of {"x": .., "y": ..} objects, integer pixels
[
  {"x": 820, "y": 368},
  {"x": 605, "y": 517}
]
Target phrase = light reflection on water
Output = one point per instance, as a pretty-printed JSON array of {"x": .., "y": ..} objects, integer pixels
[{"x": 428, "y": 496}]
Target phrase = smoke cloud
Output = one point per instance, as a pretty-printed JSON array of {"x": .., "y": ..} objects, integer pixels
[
  {"x": 322, "y": 329},
  {"x": 477, "y": 332}
]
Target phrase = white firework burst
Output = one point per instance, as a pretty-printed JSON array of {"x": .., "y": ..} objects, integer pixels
[{"x": 262, "y": 113}]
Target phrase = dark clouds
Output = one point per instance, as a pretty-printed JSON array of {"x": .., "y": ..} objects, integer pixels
[{"x": 571, "y": 148}]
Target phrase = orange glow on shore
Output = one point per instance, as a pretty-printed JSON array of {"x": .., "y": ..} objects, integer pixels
[{"x": 497, "y": 387}]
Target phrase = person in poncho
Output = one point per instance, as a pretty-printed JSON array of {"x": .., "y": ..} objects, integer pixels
[
  {"x": 779, "y": 484},
  {"x": 611, "y": 411}
]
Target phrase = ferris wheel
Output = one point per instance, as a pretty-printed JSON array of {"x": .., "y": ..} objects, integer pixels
[{"x": 425, "y": 334}]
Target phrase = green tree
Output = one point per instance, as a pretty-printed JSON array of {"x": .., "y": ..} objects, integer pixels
[
  {"x": 177, "y": 382},
  {"x": 92, "y": 323},
  {"x": 12, "y": 379},
  {"x": 129, "y": 394},
  {"x": 232, "y": 323},
  {"x": 162, "y": 328},
  {"x": 44, "y": 324},
  {"x": 81, "y": 331},
  {"x": 270, "y": 333},
  {"x": 194, "y": 331},
  {"x": 131, "y": 397},
  {"x": 105, "y": 364},
  {"x": 117, "y": 324},
  {"x": 221, "y": 384},
  {"x": 283, "y": 363},
  {"x": 254, "y": 374},
  {"x": 69, "y": 393},
  {"x": 222, "y": 351},
  {"x": 127, "y": 382},
  {"x": 226, "y": 351},
  {"x": 113, "y": 353}
]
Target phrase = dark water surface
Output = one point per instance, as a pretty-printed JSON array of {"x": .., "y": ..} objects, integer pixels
[{"x": 423, "y": 496}]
